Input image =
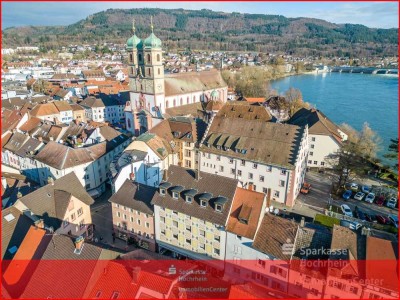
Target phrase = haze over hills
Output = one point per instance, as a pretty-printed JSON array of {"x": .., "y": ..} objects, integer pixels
[{"x": 209, "y": 30}]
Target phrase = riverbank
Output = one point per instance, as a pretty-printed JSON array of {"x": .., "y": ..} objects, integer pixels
[{"x": 352, "y": 99}]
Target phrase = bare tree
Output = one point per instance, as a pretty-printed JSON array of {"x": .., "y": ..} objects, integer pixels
[
  {"x": 369, "y": 142},
  {"x": 295, "y": 101},
  {"x": 253, "y": 82},
  {"x": 354, "y": 157}
]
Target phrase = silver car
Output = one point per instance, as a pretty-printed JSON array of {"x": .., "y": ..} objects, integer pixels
[
  {"x": 359, "y": 196},
  {"x": 346, "y": 210}
]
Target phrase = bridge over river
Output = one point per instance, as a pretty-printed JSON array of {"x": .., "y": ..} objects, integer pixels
[{"x": 364, "y": 70}]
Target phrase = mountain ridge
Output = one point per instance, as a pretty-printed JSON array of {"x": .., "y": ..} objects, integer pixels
[{"x": 209, "y": 30}]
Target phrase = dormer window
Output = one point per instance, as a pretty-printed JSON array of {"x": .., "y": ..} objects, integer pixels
[
  {"x": 162, "y": 191},
  {"x": 203, "y": 203},
  {"x": 219, "y": 203},
  {"x": 243, "y": 221},
  {"x": 189, "y": 199},
  {"x": 244, "y": 214},
  {"x": 176, "y": 190}
]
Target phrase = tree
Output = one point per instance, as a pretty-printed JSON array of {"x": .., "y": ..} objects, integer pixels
[
  {"x": 229, "y": 78},
  {"x": 369, "y": 142},
  {"x": 393, "y": 151},
  {"x": 347, "y": 163},
  {"x": 253, "y": 82},
  {"x": 355, "y": 155},
  {"x": 299, "y": 67},
  {"x": 295, "y": 101}
]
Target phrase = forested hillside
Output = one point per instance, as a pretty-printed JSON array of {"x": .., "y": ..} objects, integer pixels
[{"x": 209, "y": 30}]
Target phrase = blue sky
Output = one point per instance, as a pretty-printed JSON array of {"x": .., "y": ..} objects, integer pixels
[{"x": 371, "y": 14}]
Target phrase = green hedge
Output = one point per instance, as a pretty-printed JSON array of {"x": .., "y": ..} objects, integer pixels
[{"x": 326, "y": 220}]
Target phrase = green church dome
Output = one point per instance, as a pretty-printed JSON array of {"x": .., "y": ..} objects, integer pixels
[
  {"x": 133, "y": 42},
  {"x": 214, "y": 95},
  {"x": 152, "y": 42}
]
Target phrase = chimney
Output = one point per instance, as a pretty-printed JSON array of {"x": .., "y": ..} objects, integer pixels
[
  {"x": 50, "y": 180},
  {"x": 39, "y": 223},
  {"x": 302, "y": 222},
  {"x": 197, "y": 172},
  {"x": 78, "y": 243},
  {"x": 136, "y": 274},
  {"x": 19, "y": 195}
]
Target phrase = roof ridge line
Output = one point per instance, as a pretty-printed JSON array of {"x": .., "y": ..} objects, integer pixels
[{"x": 65, "y": 158}]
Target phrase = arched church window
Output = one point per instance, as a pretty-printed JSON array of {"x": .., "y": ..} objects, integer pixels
[
  {"x": 159, "y": 72},
  {"x": 129, "y": 123},
  {"x": 174, "y": 103},
  {"x": 187, "y": 100},
  {"x": 181, "y": 102},
  {"x": 194, "y": 99},
  {"x": 158, "y": 57},
  {"x": 149, "y": 72},
  {"x": 148, "y": 58},
  {"x": 140, "y": 57},
  {"x": 130, "y": 57},
  {"x": 166, "y": 104}
]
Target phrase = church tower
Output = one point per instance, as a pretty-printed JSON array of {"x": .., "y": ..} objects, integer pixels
[
  {"x": 152, "y": 69},
  {"x": 132, "y": 46}
]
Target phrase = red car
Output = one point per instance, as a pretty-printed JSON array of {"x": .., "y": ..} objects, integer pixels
[
  {"x": 380, "y": 200},
  {"x": 382, "y": 219}
]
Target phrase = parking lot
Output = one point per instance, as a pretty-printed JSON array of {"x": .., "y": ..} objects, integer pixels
[{"x": 319, "y": 195}]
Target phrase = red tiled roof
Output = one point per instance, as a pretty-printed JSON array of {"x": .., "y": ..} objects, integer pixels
[
  {"x": 245, "y": 201},
  {"x": 24, "y": 254},
  {"x": 253, "y": 100}
]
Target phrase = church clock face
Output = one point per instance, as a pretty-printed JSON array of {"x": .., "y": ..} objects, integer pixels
[{"x": 159, "y": 87}]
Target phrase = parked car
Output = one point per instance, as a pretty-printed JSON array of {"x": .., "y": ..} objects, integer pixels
[
  {"x": 346, "y": 210},
  {"x": 350, "y": 224},
  {"x": 380, "y": 200},
  {"x": 359, "y": 196},
  {"x": 370, "y": 218},
  {"x": 305, "y": 188},
  {"x": 361, "y": 215},
  {"x": 365, "y": 189},
  {"x": 358, "y": 213},
  {"x": 370, "y": 198},
  {"x": 347, "y": 194},
  {"x": 382, "y": 219},
  {"x": 394, "y": 220},
  {"x": 391, "y": 203},
  {"x": 354, "y": 187}
]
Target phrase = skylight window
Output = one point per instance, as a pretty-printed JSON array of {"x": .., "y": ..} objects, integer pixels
[{"x": 9, "y": 217}]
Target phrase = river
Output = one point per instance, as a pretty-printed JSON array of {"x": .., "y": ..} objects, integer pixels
[{"x": 353, "y": 99}]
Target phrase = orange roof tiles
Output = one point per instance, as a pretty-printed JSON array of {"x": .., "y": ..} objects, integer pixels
[
  {"x": 44, "y": 109},
  {"x": 248, "y": 203},
  {"x": 24, "y": 255},
  {"x": 381, "y": 262},
  {"x": 253, "y": 100}
]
